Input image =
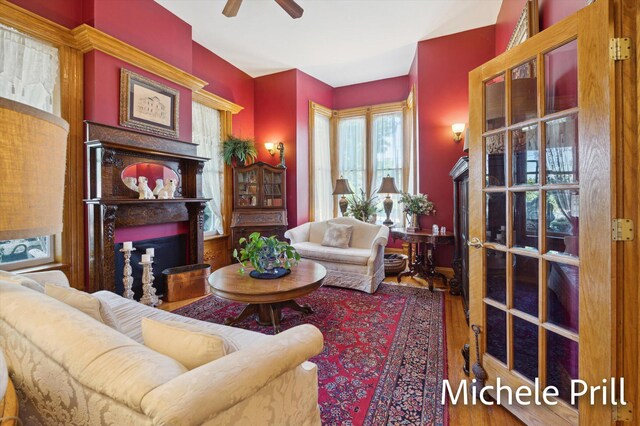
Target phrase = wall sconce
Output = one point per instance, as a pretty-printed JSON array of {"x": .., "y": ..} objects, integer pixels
[
  {"x": 271, "y": 147},
  {"x": 458, "y": 129}
]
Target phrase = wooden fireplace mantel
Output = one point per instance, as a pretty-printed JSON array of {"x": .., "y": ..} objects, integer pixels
[{"x": 111, "y": 204}]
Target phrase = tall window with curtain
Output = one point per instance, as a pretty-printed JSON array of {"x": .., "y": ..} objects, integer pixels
[
  {"x": 206, "y": 132},
  {"x": 322, "y": 185},
  {"x": 29, "y": 73},
  {"x": 352, "y": 147},
  {"x": 387, "y": 155}
]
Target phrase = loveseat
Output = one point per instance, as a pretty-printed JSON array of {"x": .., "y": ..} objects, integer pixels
[
  {"x": 71, "y": 369},
  {"x": 360, "y": 266}
]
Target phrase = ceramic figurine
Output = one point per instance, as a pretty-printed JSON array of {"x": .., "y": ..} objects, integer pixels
[
  {"x": 159, "y": 186},
  {"x": 144, "y": 190},
  {"x": 131, "y": 183},
  {"x": 168, "y": 190}
]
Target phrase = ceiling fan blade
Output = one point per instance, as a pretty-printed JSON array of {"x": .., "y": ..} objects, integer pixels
[
  {"x": 231, "y": 8},
  {"x": 291, "y": 7}
]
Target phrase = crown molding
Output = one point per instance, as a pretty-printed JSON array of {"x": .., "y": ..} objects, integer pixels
[
  {"x": 216, "y": 102},
  {"x": 88, "y": 39}
]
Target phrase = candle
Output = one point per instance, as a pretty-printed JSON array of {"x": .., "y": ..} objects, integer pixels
[
  {"x": 127, "y": 245},
  {"x": 151, "y": 252},
  {"x": 146, "y": 258}
]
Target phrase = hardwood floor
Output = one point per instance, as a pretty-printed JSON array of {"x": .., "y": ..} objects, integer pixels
[{"x": 457, "y": 336}]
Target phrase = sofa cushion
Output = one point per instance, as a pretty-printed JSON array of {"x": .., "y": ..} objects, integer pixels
[
  {"x": 337, "y": 236},
  {"x": 182, "y": 342},
  {"x": 84, "y": 302},
  {"x": 351, "y": 255},
  {"x": 21, "y": 280},
  {"x": 129, "y": 314}
]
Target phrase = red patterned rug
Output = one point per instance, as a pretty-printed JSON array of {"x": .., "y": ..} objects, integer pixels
[{"x": 384, "y": 357}]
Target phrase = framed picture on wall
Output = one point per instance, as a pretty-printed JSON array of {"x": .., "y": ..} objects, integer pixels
[
  {"x": 528, "y": 24},
  {"x": 147, "y": 105}
]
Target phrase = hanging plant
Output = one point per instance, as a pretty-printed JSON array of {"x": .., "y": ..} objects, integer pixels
[{"x": 238, "y": 151}]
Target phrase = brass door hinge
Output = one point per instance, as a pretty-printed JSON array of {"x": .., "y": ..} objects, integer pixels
[
  {"x": 622, "y": 230},
  {"x": 620, "y": 48},
  {"x": 623, "y": 413}
]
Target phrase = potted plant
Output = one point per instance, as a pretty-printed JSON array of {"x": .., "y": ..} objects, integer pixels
[
  {"x": 362, "y": 208},
  {"x": 415, "y": 205},
  {"x": 236, "y": 151},
  {"x": 267, "y": 255}
]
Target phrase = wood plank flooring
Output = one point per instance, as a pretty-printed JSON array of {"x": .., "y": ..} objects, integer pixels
[{"x": 457, "y": 336}]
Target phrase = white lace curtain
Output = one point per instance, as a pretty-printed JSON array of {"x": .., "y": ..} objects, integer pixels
[
  {"x": 387, "y": 157},
  {"x": 352, "y": 151},
  {"x": 206, "y": 133},
  {"x": 323, "y": 183},
  {"x": 28, "y": 70}
]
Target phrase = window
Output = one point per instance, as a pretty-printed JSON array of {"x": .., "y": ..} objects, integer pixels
[
  {"x": 206, "y": 132},
  {"x": 321, "y": 181},
  {"x": 388, "y": 156},
  {"x": 29, "y": 73},
  {"x": 352, "y": 164}
]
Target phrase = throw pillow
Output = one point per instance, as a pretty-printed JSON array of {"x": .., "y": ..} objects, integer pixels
[
  {"x": 337, "y": 235},
  {"x": 181, "y": 342},
  {"x": 90, "y": 305},
  {"x": 21, "y": 280}
]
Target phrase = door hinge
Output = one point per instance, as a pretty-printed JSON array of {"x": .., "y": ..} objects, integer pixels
[
  {"x": 623, "y": 413},
  {"x": 622, "y": 230},
  {"x": 620, "y": 48}
]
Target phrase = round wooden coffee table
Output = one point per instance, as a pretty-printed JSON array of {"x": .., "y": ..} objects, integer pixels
[{"x": 267, "y": 298}]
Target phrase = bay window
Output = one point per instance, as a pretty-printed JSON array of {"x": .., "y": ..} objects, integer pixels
[{"x": 363, "y": 145}]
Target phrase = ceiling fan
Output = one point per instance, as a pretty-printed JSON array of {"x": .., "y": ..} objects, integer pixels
[{"x": 290, "y": 6}]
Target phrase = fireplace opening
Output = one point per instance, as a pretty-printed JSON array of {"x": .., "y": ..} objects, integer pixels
[{"x": 169, "y": 252}]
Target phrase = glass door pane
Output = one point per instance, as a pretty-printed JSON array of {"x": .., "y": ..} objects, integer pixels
[
  {"x": 524, "y": 90},
  {"x": 561, "y": 78}
]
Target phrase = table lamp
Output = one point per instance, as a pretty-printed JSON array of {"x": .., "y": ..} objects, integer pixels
[
  {"x": 342, "y": 187},
  {"x": 32, "y": 171},
  {"x": 388, "y": 186}
]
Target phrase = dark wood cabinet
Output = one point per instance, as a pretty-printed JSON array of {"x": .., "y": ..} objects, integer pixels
[
  {"x": 460, "y": 282},
  {"x": 259, "y": 201}
]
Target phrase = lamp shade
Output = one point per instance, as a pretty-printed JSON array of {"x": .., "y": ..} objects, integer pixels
[
  {"x": 32, "y": 165},
  {"x": 342, "y": 187},
  {"x": 388, "y": 186}
]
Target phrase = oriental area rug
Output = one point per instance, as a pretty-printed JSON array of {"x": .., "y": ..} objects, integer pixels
[{"x": 384, "y": 357}]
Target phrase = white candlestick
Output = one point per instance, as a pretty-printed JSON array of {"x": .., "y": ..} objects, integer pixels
[
  {"x": 151, "y": 252},
  {"x": 127, "y": 245},
  {"x": 146, "y": 258}
]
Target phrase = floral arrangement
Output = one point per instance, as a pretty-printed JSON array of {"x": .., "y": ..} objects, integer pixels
[
  {"x": 416, "y": 204},
  {"x": 362, "y": 208},
  {"x": 265, "y": 253}
]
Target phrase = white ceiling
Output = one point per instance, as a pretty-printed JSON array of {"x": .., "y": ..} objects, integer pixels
[{"x": 339, "y": 42}]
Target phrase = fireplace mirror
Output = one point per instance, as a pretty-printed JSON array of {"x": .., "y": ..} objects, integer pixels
[{"x": 156, "y": 174}]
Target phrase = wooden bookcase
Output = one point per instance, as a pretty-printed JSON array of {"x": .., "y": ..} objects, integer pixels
[{"x": 259, "y": 201}]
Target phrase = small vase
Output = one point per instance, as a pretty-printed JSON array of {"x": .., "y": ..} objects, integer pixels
[{"x": 413, "y": 223}]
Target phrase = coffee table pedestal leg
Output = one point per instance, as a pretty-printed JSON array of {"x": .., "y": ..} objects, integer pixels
[{"x": 269, "y": 313}]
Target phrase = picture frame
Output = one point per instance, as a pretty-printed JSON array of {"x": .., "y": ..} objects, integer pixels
[
  {"x": 528, "y": 24},
  {"x": 148, "y": 106}
]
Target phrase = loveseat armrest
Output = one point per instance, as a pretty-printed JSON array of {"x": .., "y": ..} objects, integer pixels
[
  {"x": 299, "y": 234},
  {"x": 379, "y": 243},
  {"x": 202, "y": 393}
]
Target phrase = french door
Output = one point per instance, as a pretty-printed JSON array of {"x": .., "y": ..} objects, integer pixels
[{"x": 541, "y": 203}]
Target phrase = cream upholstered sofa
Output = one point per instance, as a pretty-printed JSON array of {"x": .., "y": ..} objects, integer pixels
[
  {"x": 70, "y": 369},
  {"x": 361, "y": 266}
]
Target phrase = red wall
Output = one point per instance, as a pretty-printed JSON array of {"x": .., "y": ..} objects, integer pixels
[
  {"x": 68, "y": 13},
  {"x": 275, "y": 108},
  {"x": 443, "y": 67},
  {"x": 229, "y": 82},
  {"x": 550, "y": 11},
  {"x": 371, "y": 93}
]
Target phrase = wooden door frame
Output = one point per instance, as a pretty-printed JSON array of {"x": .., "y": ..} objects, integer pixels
[{"x": 600, "y": 282}]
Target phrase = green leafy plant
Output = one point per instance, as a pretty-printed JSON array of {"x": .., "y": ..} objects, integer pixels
[
  {"x": 261, "y": 252},
  {"x": 362, "y": 207},
  {"x": 241, "y": 150},
  {"x": 416, "y": 204}
]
